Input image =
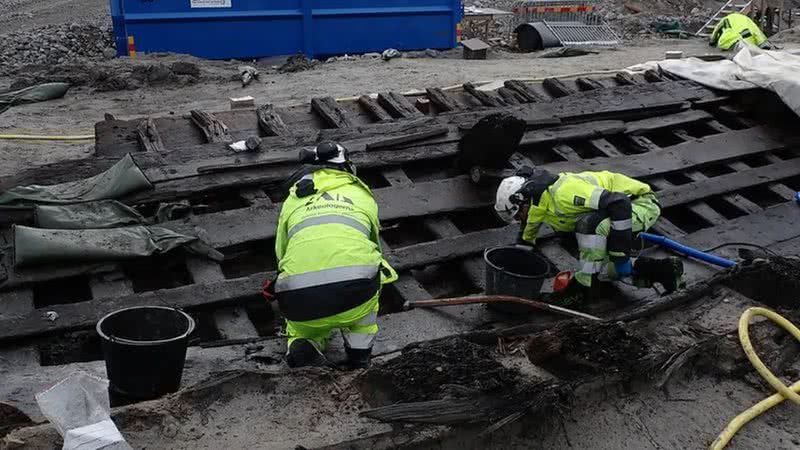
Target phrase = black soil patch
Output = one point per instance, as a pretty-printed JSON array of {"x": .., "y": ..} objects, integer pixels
[
  {"x": 774, "y": 282},
  {"x": 431, "y": 371},
  {"x": 575, "y": 350},
  {"x": 11, "y": 418}
]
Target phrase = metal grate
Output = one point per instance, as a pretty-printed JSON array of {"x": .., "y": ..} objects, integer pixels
[
  {"x": 577, "y": 33},
  {"x": 527, "y": 11}
]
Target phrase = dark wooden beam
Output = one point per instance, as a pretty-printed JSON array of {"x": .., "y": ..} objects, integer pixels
[
  {"x": 408, "y": 138},
  {"x": 270, "y": 122},
  {"x": 578, "y": 131},
  {"x": 588, "y": 84},
  {"x": 148, "y": 137},
  {"x": 510, "y": 97},
  {"x": 330, "y": 112},
  {"x": 643, "y": 126},
  {"x": 653, "y": 76},
  {"x": 213, "y": 129},
  {"x": 557, "y": 88},
  {"x": 398, "y": 106},
  {"x": 443, "y": 101},
  {"x": 485, "y": 98},
  {"x": 710, "y": 149},
  {"x": 525, "y": 91},
  {"x": 374, "y": 109},
  {"x": 624, "y": 79}
]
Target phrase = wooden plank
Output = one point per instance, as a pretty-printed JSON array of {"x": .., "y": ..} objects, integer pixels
[
  {"x": 624, "y": 79},
  {"x": 653, "y": 76},
  {"x": 557, "y": 88},
  {"x": 270, "y": 122},
  {"x": 509, "y": 96},
  {"x": 525, "y": 91},
  {"x": 398, "y": 106},
  {"x": 408, "y": 138},
  {"x": 374, "y": 109},
  {"x": 643, "y": 126},
  {"x": 710, "y": 149},
  {"x": 396, "y": 176},
  {"x": 485, "y": 98},
  {"x": 148, "y": 137},
  {"x": 213, "y": 128},
  {"x": 409, "y": 289},
  {"x": 443, "y": 101},
  {"x": 664, "y": 227},
  {"x": 450, "y": 248},
  {"x": 567, "y": 152},
  {"x": 588, "y": 84},
  {"x": 708, "y": 187},
  {"x": 605, "y": 147},
  {"x": 473, "y": 268},
  {"x": 330, "y": 112},
  {"x": 569, "y": 132},
  {"x": 110, "y": 284}
]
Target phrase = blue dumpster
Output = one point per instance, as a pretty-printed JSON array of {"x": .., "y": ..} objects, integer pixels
[{"x": 223, "y": 29}]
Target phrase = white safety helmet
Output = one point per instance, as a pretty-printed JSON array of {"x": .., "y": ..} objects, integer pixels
[{"x": 504, "y": 206}]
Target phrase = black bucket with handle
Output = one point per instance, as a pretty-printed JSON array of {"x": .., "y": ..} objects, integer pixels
[
  {"x": 145, "y": 349},
  {"x": 516, "y": 271}
]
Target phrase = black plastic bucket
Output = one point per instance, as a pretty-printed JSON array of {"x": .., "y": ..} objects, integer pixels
[
  {"x": 514, "y": 271},
  {"x": 145, "y": 349}
]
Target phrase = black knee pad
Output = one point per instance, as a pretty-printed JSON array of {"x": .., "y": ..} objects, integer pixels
[{"x": 587, "y": 223}]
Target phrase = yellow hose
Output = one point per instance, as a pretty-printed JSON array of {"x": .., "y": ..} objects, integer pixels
[
  {"x": 34, "y": 137},
  {"x": 784, "y": 391}
]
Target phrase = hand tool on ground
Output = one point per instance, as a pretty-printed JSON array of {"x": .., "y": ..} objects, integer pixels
[
  {"x": 498, "y": 299},
  {"x": 688, "y": 251}
]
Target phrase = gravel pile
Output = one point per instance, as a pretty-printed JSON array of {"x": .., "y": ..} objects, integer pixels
[{"x": 55, "y": 44}]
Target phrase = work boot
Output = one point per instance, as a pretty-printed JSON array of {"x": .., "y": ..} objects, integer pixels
[
  {"x": 358, "y": 358},
  {"x": 666, "y": 271},
  {"x": 573, "y": 295},
  {"x": 303, "y": 353}
]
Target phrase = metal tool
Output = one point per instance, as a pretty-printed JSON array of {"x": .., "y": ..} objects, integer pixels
[{"x": 498, "y": 299}]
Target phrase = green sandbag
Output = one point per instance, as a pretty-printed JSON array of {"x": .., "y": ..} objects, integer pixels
[
  {"x": 33, "y": 94},
  {"x": 123, "y": 178},
  {"x": 34, "y": 246},
  {"x": 101, "y": 214}
]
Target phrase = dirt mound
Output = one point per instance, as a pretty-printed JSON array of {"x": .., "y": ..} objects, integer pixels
[
  {"x": 774, "y": 282},
  {"x": 432, "y": 370},
  {"x": 111, "y": 76},
  {"x": 297, "y": 63},
  {"x": 585, "y": 349}
]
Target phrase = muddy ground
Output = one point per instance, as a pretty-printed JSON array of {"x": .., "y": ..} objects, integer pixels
[{"x": 669, "y": 380}]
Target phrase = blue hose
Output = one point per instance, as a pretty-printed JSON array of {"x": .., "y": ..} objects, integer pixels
[{"x": 688, "y": 251}]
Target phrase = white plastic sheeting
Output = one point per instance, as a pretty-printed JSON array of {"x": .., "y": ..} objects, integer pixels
[{"x": 751, "y": 67}]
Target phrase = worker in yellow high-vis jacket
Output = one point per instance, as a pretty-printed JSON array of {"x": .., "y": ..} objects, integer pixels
[
  {"x": 735, "y": 27},
  {"x": 604, "y": 210},
  {"x": 330, "y": 265}
]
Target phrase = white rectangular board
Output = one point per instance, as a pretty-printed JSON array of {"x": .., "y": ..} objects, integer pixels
[{"x": 210, "y": 3}]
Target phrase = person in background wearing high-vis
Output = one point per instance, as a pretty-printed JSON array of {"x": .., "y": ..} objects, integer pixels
[
  {"x": 330, "y": 265},
  {"x": 604, "y": 210},
  {"x": 736, "y": 27}
]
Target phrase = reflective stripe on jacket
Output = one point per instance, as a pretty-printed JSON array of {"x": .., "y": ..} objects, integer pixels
[{"x": 574, "y": 194}]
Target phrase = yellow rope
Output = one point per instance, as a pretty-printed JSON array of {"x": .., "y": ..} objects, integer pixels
[
  {"x": 34, "y": 137},
  {"x": 784, "y": 392}
]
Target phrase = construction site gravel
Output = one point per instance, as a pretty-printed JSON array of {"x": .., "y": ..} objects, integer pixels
[{"x": 660, "y": 372}]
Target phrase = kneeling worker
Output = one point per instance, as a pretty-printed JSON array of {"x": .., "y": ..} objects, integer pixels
[
  {"x": 604, "y": 210},
  {"x": 330, "y": 266}
]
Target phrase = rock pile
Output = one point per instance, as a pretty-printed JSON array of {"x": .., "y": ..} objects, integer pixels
[{"x": 55, "y": 44}]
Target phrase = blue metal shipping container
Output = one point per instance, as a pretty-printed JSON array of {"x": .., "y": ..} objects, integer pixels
[{"x": 222, "y": 29}]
